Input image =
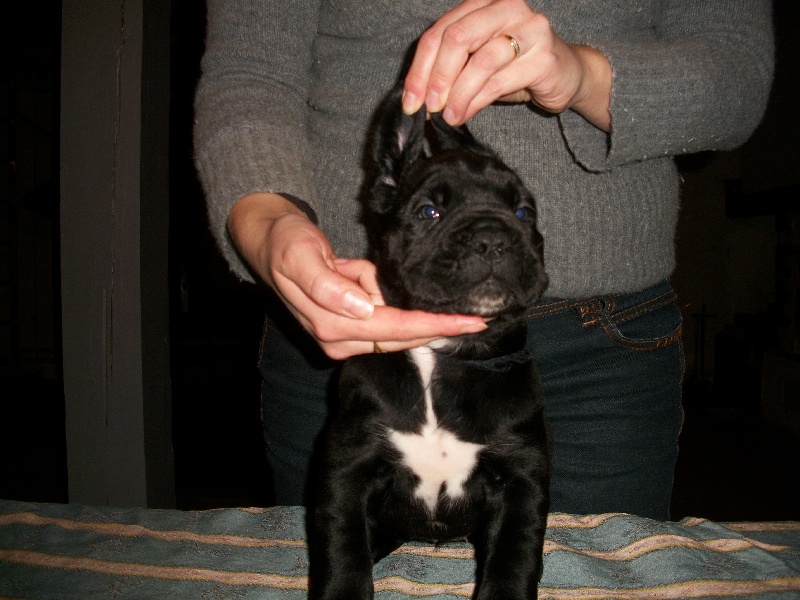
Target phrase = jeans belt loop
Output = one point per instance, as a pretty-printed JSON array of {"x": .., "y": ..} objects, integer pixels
[{"x": 595, "y": 309}]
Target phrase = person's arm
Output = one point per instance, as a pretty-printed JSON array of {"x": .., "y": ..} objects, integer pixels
[
  {"x": 251, "y": 108},
  {"x": 251, "y": 147},
  {"x": 702, "y": 83}
]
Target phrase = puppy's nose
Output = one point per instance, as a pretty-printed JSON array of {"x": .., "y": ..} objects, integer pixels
[{"x": 490, "y": 243}]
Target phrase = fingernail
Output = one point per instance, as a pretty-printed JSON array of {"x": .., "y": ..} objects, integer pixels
[
  {"x": 410, "y": 103},
  {"x": 475, "y": 327},
  {"x": 449, "y": 116},
  {"x": 432, "y": 101},
  {"x": 358, "y": 305}
]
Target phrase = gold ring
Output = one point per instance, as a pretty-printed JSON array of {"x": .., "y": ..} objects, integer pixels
[
  {"x": 514, "y": 44},
  {"x": 376, "y": 349}
]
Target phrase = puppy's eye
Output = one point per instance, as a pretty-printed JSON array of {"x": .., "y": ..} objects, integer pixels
[
  {"x": 522, "y": 213},
  {"x": 429, "y": 211}
]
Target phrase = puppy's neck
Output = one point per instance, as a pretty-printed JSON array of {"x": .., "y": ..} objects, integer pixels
[{"x": 504, "y": 342}]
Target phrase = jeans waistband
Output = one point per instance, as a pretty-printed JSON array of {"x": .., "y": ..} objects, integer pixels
[{"x": 616, "y": 304}]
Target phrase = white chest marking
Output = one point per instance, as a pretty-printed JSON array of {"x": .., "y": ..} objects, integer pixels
[{"x": 434, "y": 454}]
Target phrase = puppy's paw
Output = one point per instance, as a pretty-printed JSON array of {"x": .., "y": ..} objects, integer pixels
[
  {"x": 489, "y": 590},
  {"x": 342, "y": 588}
]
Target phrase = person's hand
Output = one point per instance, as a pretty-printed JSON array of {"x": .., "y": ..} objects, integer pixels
[
  {"x": 466, "y": 61},
  {"x": 337, "y": 300}
]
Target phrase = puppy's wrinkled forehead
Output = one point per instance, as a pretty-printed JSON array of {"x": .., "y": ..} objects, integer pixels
[{"x": 464, "y": 175}]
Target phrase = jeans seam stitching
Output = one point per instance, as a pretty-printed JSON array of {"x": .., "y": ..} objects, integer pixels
[
  {"x": 650, "y": 344},
  {"x": 557, "y": 306},
  {"x": 643, "y": 307}
]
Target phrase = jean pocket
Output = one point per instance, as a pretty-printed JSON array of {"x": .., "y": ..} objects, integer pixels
[{"x": 639, "y": 324}]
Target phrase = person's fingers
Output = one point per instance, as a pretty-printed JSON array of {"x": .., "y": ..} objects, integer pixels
[
  {"x": 364, "y": 273},
  {"x": 487, "y": 76},
  {"x": 317, "y": 295},
  {"x": 308, "y": 269},
  {"x": 472, "y": 31},
  {"x": 469, "y": 41},
  {"x": 417, "y": 80},
  {"x": 326, "y": 300},
  {"x": 393, "y": 329},
  {"x": 390, "y": 324},
  {"x": 483, "y": 51}
]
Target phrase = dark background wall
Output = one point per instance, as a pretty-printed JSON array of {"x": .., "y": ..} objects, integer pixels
[{"x": 737, "y": 279}]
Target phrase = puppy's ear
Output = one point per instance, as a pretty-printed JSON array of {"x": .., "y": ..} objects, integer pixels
[
  {"x": 399, "y": 142},
  {"x": 454, "y": 138}
]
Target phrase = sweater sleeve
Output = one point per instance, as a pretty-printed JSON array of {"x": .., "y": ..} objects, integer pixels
[
  {"x": 701, "y": 84},
  {"x": 251, "y": 107}
]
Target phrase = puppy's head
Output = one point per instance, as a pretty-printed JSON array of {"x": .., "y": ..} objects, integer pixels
[{"x": 453, "y": 229}]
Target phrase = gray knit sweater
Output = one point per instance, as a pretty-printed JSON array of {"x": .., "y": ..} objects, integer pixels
[{"x": 288, "y": 89}]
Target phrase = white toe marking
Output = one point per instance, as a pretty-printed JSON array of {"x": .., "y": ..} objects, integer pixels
[{"x": 434, "y": 454}]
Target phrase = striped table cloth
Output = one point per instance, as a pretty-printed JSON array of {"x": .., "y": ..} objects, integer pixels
[{"x": 50, "y": 551}]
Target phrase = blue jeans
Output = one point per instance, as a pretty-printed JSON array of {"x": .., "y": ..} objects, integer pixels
[{"x": 611, "y": 369}]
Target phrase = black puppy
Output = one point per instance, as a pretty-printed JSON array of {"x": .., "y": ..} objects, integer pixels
[{"x": 446, "y": 441}]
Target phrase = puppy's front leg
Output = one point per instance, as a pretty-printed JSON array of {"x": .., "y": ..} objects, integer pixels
[
  {"x": 341, "y": 564},
  {"x": 509, "y": 545},
  {"x": 340, "y": 552}
]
